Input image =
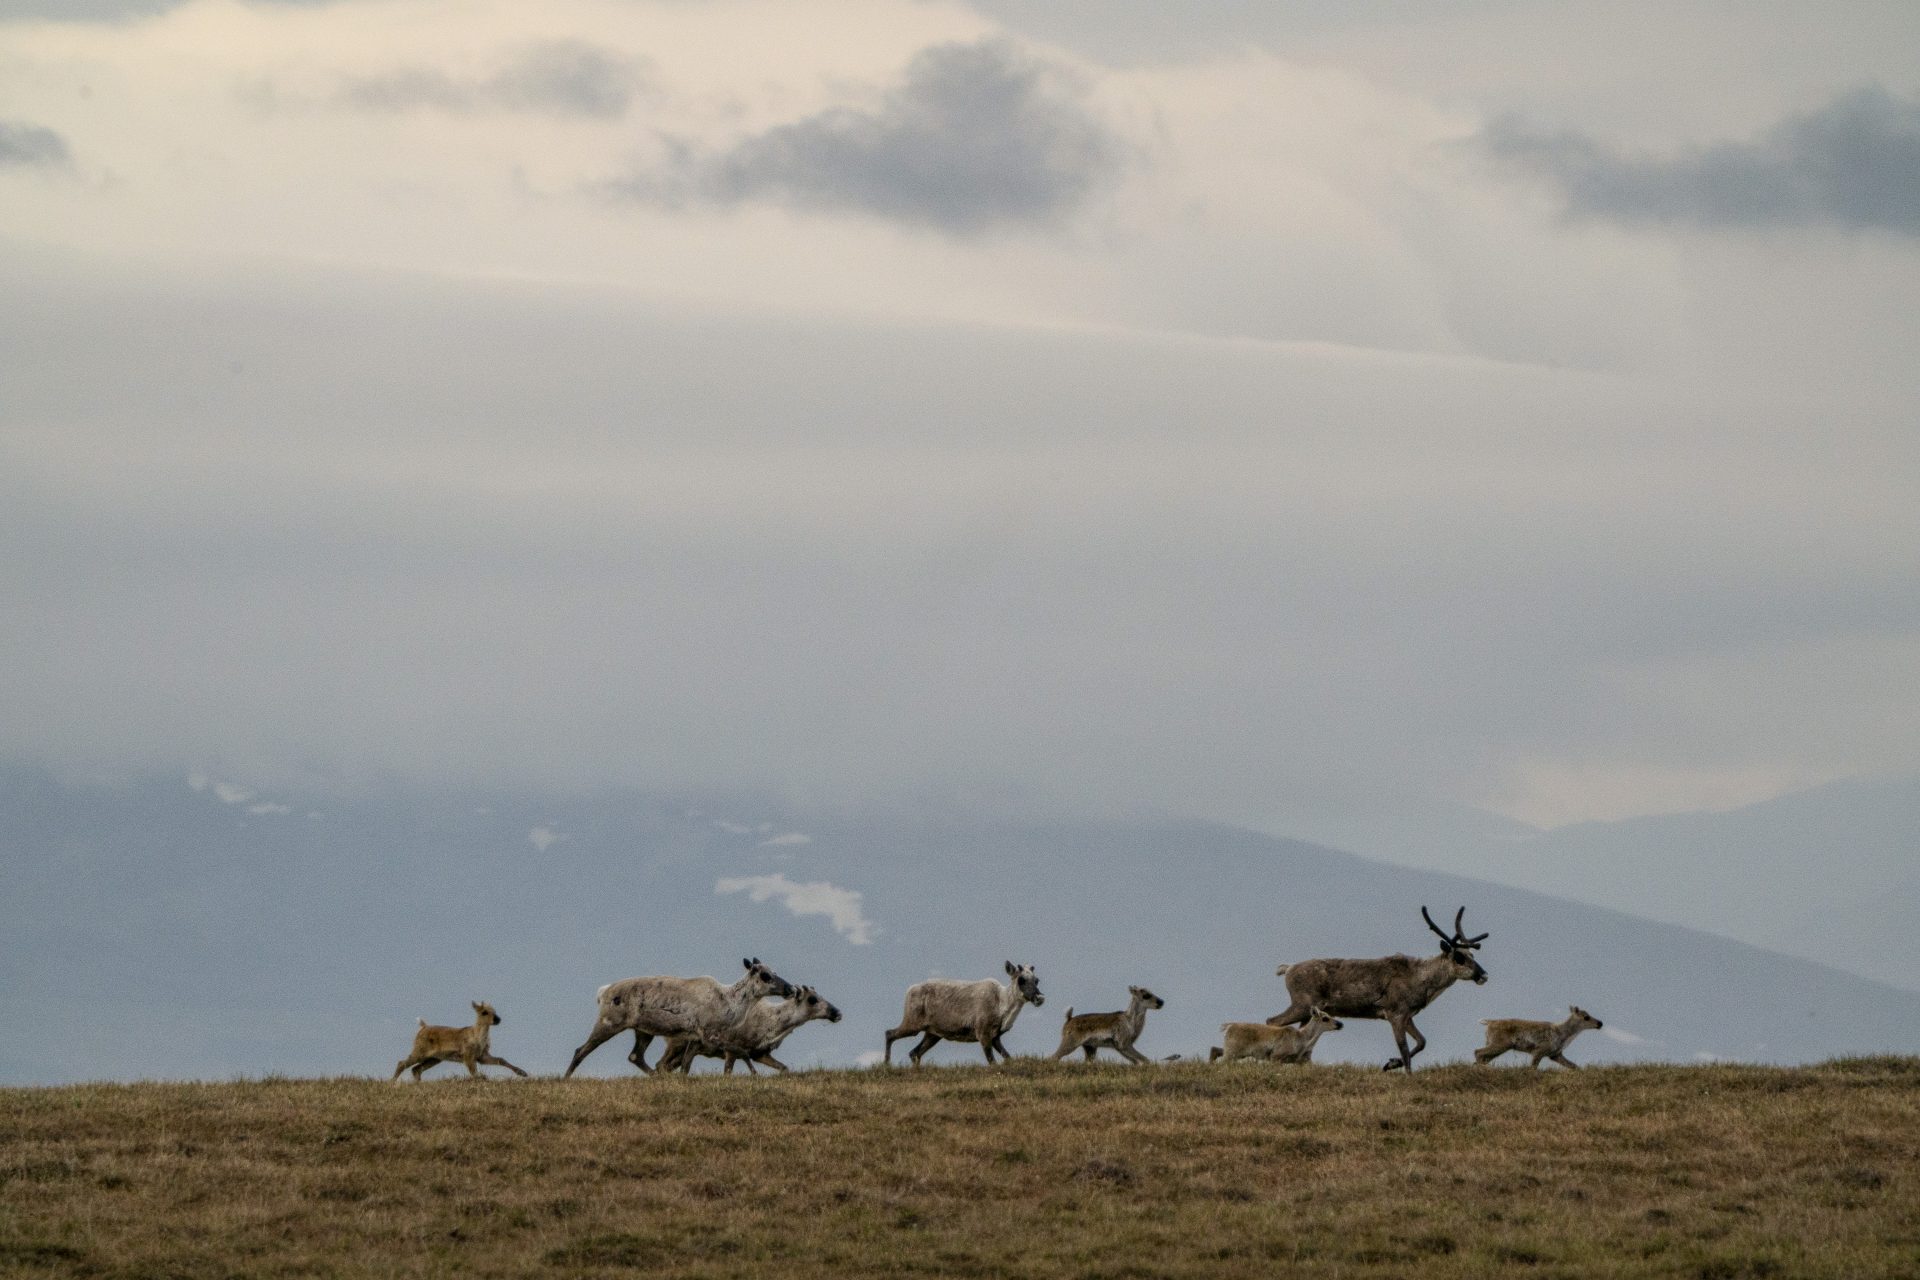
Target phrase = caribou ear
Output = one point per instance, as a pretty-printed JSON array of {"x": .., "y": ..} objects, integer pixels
[{"x": 1012, "y": 969}]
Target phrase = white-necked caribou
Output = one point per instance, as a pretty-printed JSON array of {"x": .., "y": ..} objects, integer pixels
[{"x": 1391, "y": 988}]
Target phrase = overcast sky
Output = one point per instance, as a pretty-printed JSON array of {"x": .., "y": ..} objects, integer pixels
[{"x": 1199, "y": 407}]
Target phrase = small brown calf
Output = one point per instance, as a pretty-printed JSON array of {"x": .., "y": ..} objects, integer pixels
[
  {"x": 1262, "y": 1042},
  {"x": 1116, "y": 1031},
  {"x": 456, "y": 1044},
  {"x": 1541, "y": 1039}
]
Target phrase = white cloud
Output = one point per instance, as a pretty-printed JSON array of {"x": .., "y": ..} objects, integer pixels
[
  {"x": 791, "y": 837},
  {"x": 871, "y": 1058},
  {"x": 269, "y": 807},
  {"x": 199, "y": 781},
  {"x": 232, "y": 793},
  {"x": 1704, "y": 1056},
  {"x": 1624, "y": 1037},
  {"x": 816, "y": 898},
  {"x": 544, "y": 838}
]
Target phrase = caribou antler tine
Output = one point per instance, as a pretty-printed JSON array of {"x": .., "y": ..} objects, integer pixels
[
  {"x": 1431, "y": 925},
  {"x": 1459, "y": 916}
]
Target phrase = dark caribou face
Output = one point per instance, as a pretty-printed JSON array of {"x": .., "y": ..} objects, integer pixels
[
  {"x": 1147, "y": 998},
  {"x": 816, "y": 1007},
  {"x": 775, "y": 984},
  {"x": 1027, "y": 982}
]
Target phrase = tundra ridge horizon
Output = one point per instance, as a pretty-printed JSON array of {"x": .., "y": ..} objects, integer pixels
[{"x": 1027, "y": 1168}]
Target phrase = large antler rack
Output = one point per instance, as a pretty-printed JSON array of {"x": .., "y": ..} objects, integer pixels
[{"x": 1458, "y": 940}]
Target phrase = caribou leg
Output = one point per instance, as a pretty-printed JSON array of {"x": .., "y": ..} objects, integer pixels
[
  {"x": 1298, "y": 1011},
  {"x": 900, "y": 1032},
  {"x": 1401, "y": 1026},
  {"x": 638, "y": 1056},
  {"x": 927, "y": 1042},
  {"x": 601, "y": 1034}
]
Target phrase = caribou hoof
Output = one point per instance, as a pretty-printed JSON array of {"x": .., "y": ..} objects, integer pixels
[{"x": 1394, "y": 1064}]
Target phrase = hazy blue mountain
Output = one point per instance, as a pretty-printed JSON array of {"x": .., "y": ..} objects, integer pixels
[
  {"x": 159, "y": 930},
  {"x": 1433, "y": 835},
  {"x": 1831, "y": 874}
]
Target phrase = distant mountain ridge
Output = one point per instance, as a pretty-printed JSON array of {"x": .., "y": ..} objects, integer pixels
[
  {"x": 165, "y": 930},
  {"x": 1831, "y": 873}
]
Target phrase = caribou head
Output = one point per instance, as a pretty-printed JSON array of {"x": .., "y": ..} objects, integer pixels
[{"x": 1459, "y": 948}]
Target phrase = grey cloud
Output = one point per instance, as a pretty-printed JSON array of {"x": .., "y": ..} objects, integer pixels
[
  {"x": 31, "y": 146},
  {"x": 79, "y": 10},
  {"x": 108, "y": 10},
  {"x": 977, "y": 136},
  {"x": 1852, "y": 164},
  {"x": 565, "y": 77},
  {"x": 572, "y": 538}
]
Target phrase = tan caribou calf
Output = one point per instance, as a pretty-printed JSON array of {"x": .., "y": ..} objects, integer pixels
[
  {"x": 456, "y": 1044},
  {"x": 1116, "y": 1031},
  {"x": 1541, "y": 1039},
  {"x": 1264, "y": 1043}
]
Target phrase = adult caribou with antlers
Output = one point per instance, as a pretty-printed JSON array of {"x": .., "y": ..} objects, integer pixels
[{"x": 1392, "y": 988}]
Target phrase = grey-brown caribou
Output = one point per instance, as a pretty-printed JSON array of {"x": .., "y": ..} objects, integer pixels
[
  {"x": 753, "y": 1038},
  {"x": 942, "y": 1009},
  {"x": 698, "y": 1007},
  {"x": 1391, "y": 988}
]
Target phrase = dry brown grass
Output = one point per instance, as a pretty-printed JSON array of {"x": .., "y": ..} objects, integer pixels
[{"x": 1028, "y": 1170}]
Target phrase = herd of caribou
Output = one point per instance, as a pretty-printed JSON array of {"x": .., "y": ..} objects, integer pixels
[{"x": 743, "y": 1022}]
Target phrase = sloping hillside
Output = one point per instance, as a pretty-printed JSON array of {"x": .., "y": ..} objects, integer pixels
[{"x": 166, "y": 931}]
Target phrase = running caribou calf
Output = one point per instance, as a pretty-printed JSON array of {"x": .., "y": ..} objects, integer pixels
[
  {"x": 466, "y": 1045},
  {"x": 1392, "y": 988},
  {"x": 1541, "y": 1039},
  {"x": 651, "y": 1007},
  {"x": 977, "y": 1012},
  {"x": 1262, "y": 1042},
  {"x": 1116, "y": 1031}
]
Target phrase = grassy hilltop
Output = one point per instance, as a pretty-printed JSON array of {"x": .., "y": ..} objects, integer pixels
[{"x": 1028, "y": 1170}]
